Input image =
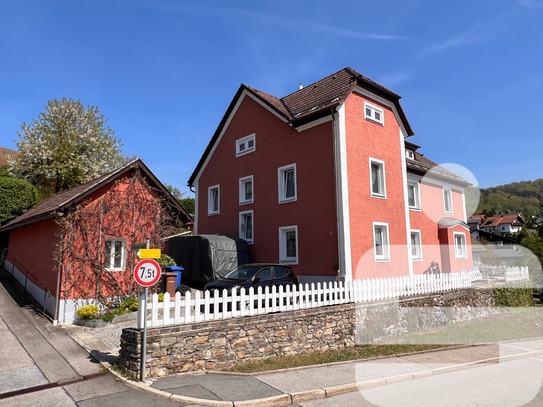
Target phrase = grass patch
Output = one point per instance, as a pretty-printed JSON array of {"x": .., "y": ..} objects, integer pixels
[{"x": 358, "y": 352}]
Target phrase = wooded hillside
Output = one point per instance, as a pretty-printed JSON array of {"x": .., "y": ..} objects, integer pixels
[{"x": 525, "y": 197}]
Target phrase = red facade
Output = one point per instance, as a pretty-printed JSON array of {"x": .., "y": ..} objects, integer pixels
[{"x": 340, "y": 146}]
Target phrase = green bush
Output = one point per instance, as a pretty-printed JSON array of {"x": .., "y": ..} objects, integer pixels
[
  {"x": 165, "y": 261},
  {"x": 129, "y": 304},
  {"x": 515, "y": 294},
  {"x": 88, "y": 312}
]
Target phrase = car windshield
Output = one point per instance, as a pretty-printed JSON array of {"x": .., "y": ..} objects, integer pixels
[{"x": 242, "y": 273}]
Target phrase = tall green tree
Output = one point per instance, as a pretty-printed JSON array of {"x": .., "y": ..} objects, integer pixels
[
  {"x": 67, "y": 145},
  {"x": 16, "y": 197}
]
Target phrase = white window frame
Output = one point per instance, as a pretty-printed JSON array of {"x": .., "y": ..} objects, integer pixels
[
  {"x": 385, "y": 255},
  {"x": 416, "y": 194},
  {"x": 460, "y": 251},
  {"x": 284, "y": 258},
  {"x": 243, "y": 145},
  {"x": 242, "y": 226},
  {"x": 382, "y": 182},
  {"x": 447, "y": 201},
  {"x": 282, "y": 184},
  {"x": 409, "y": 154},
  {"x": 109, "y": 259},
  {"x": 211, "y": 210},
  {"x": 417, "y": 256},
  {"x": 243, "y": 200},
  {"x": 371, "y": 111}
]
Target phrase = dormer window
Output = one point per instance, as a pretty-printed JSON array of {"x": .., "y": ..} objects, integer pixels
[
  {"x": 246, "y": 145},
  {"x": 410, "y": 154}
]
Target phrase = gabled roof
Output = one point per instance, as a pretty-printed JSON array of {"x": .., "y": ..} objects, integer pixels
[
  {"x": 510, "y": 219},
  {"x": 422, "y": 165},
  {"x": 6, "y": 153},
  {"x": 309, "y": 103},
  {"x": 64, "y": 200},
  {"x": 476, "y": 218}
]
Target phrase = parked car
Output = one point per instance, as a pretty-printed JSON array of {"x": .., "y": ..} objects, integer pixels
[{"x": 254, "y": 275}]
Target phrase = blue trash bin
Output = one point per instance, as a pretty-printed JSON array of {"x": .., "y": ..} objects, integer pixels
[{"x": 178, "y": 270}]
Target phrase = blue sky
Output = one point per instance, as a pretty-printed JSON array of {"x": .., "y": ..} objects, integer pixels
[{"x": 164, "y": 71}]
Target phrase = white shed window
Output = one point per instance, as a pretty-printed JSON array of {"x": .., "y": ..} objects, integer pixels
[{"x": 115, "y": 254}]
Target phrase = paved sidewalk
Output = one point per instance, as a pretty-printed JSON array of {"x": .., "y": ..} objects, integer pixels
[{"x": 293, "y": 386}]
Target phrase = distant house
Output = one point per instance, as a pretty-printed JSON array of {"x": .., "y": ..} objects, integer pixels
[
  {"x": 324, "y": 179},
  {"x": 75, "y": 247},
  {"x": 503, "y": 224}
]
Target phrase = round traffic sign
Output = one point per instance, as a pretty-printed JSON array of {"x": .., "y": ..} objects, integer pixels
[{"x": 147, "y": 272}]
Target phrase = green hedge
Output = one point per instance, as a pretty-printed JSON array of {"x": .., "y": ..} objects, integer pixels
[{"x": 514, "y": 294}]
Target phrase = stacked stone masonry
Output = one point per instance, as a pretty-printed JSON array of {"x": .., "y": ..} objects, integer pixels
[{"x": 218, "y": 344}]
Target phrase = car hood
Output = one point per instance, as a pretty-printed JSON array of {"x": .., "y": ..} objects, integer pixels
[{"x": 222, "y": 283}]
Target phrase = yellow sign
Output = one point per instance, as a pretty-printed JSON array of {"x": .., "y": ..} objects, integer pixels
[{"x": 149, "y": 253}]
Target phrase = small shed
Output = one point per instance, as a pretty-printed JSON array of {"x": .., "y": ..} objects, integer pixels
[{"x": 74, "y": 248}]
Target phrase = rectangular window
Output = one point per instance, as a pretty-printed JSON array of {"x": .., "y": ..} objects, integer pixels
[
  {"x": 416, "y": 245},
  {"x": 246, "y": 226},
  {"x": 377, "y": 178},
  {"x": 246, "y": 190},
  {"x": 374, "y": 113},
  {"x": 413, "y": 196},
  {"x": 381, "y": 247},
  {"x": 460, "y": 249},
  {"x": 115, "y": 254},
  {"x": 447, "y": 199},
  {"x": 410, "y": 154},
  {"x": 213, "y": 200},
  {"x": 288, "y": 244},
  {"x": 246, "y": 145},
  {"x": 287, "y": 183}
]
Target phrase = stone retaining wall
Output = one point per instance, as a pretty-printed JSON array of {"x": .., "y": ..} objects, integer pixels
[{"x": 224, "y": 343}]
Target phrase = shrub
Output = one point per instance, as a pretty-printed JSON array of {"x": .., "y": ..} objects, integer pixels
[
  {"x": 515, "y": 294},
  {"x": 88, "y": 312},
  {"x": 129, "y": 304}
]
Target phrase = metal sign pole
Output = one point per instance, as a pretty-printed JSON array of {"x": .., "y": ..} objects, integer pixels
[{"x": 144, "y": 333}]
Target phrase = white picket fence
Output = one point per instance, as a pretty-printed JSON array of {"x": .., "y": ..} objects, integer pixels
[
  {"x": 209, "y": 306},
  {"x": 517, "y": 273}
]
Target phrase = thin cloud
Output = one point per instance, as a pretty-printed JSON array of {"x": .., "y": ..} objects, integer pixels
[
  {"x": 274, "y": 19},
  {"x": 394, "y": 79},
  {"x": 534, "y": 4}
]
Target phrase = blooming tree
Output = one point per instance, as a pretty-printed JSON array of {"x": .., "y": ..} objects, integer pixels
[{"x": 67, "y": 145}]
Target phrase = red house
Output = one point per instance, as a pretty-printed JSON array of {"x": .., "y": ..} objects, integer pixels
[
  {"x": 324, "y": 179},
  {"x": 74, "y": 248}
]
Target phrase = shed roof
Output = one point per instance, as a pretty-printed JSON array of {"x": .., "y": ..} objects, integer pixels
[{"x": 64, "y": 200}]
